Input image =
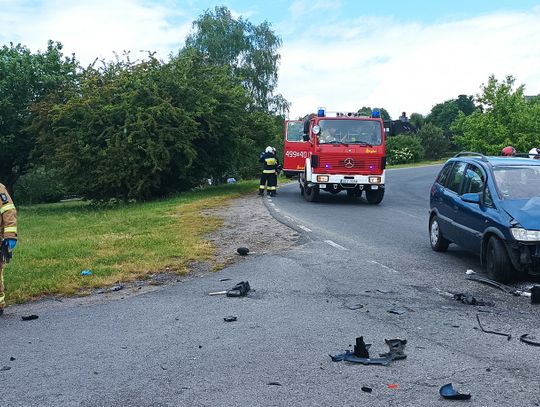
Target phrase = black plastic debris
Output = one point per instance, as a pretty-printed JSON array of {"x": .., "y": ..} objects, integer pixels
[
  {"x": 449, "y": 392},
  {"x": 469, "y": 299},
  {"x": 273, "y": 384},
  {"x": 535, "y": 294},
  {"x": 396, "y": 353},
  {"x": 529, "y": 340},
  {"x": 508, "y": 336},
  {"x": 397, "y": 311},
  {"x": 230, "y": 318},
  {"x": 116, "y": 287},
  {"x": 225, "y": 279},
  {"x": 5, "y": 368},
  {"x": 361, "y": 349},
  {"x": 11, "y": 359},
  {"x": 29, "y": 317},
  {"x": 242, "y": 251},
  {"x": 239, "y": 290},
  {"x": 354, "y": 306},
  {"x": 367, "y": 389}
]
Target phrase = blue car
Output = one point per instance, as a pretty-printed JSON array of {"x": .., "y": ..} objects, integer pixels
[{"x": 489, "y": 206}]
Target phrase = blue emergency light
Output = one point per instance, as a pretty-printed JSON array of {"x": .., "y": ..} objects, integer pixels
[
  {"x": 321, "y": 112},
  {"x": 376, "y": 113}
]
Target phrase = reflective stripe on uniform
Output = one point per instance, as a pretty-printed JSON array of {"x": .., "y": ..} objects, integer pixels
[
  {"x": 6, "y": 208},
  {"x": 10, "y": 229},
  {"x": 270, "y": 161},
  {"x": 269, "y": 171},
  {"x": 261, "y": 187},
  {"x": 271, "y": 188}
]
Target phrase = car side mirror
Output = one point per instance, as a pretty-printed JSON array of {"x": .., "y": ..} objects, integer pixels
[
  {"x": 305, "y": 137},
  {"x": 471, "y": 198}
]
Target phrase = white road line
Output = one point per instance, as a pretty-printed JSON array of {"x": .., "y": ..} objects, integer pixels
[
  {"x": 383, "y": 266},
  {"x": 304, "y": 228},
  {"x": 408, "y": 214},
  {"x": 334, "y": 244}
]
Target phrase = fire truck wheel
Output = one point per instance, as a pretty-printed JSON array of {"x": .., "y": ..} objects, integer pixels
[
  {"x": 311, "y": 194},
  {"x": 375, "y": 196}
]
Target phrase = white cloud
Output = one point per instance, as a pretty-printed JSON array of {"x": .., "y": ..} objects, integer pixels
[
  {"x": 95, "y": 28},
  {"x": 407, "y": 67}
]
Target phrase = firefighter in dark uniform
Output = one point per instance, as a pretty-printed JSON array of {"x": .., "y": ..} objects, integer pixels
[
  {"x": 8, "y": 236},
  {"x": 269, "y": 172}
]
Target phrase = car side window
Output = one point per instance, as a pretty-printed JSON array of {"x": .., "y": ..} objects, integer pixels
[
  {"x": 474, "y": 180},
  {"x": 488, "y": 201},
  {"x": 456, "y": 176},
  {"x": 443, "y": 175}
]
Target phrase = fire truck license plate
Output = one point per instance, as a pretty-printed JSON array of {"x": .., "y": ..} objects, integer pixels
[{"x": 348, "y": 181}]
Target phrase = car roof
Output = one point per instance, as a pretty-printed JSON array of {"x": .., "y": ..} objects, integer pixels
[{"x": 497, "y": 161}]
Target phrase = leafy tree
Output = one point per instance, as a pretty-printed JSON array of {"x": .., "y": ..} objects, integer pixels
[
  {"x": 506, "y": 118},
  {"x": 417, "y": 120},
  {"x": 27, "y": 78},
  {"x": 433, "y": 140},
  {"x": 367, "y": 111},
  {"x": 444, "y": 114},
  {"x": 250, "y": 51}
]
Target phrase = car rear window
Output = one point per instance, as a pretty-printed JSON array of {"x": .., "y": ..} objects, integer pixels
[
  {"x": 443, "y": 175},
  {"x": 456, "y": 176}
]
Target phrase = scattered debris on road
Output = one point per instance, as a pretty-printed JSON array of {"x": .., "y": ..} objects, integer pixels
[
  {"x": 508, "y": 336},
  {"x": 29, "y": 317},
  {"x": 500, "y": 286},
  {"x": 392, "y": 386},
  {"x": 469, "y": 272},
  {"x": 529, "y": 340},
  {"x": 469, "y": 299},
  {"x": 225, "y": 279},
  {"x": 397, "y": 311},
  {"x": 449, "y": 392},
  {"x": 230, "y": 318},
  {"x": 239, "y": 290},
  {"x": 116, "y": 287},
  {"x": 367, "y": 389},
  {"x": 354, "y": 306},
  {"x": 3, "y": 368},
  {"x": 242, "y": 251},
  {"x": 361, "y": 353},
  {"x": 273, "y": 384}
]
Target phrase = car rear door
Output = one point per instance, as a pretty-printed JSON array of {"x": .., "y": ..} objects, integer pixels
[{"x": 451, "y": 202}]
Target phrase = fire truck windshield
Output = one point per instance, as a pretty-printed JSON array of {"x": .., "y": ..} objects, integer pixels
[{"x": 341, "y": 131}]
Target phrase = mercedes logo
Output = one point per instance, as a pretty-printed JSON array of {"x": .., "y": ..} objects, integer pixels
[{"x": 348, "y": 162}]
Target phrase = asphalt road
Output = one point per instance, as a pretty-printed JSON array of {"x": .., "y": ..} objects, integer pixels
[{"x": 171, "y": 347}]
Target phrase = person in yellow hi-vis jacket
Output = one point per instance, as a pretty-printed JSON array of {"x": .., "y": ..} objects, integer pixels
[
  {"x": 269, "y": 172},
  {"x": 8, "y": 236}
]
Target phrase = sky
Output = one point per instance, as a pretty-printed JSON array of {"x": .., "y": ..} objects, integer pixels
[{"x": 338, "y": 54}]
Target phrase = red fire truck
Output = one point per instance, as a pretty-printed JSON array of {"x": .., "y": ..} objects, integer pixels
[{"x": 336, "y": 152}]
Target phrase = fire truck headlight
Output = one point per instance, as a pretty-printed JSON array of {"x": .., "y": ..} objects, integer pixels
[
  {"x": 322, "y": 178},
  {"x": 374, "y": 180}
]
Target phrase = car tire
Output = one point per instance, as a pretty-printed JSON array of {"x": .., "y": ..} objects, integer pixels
[
  {"x": 498, "y": 264},
  {"x": 311, "y": 194},
  {"x": 438, "y": 242},
  {"x": 375, "y": 196}
]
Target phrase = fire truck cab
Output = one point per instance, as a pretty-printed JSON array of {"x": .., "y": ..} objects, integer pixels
[{"x": 337, "y": 152}]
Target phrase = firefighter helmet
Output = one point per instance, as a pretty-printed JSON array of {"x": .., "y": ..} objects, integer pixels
[
  {"x": 269, "y": 149},
  {"x": 508, "y": 151}
]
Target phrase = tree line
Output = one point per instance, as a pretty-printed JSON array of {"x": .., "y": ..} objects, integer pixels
[
  {"x": 133, "y": 130},
  {"x": 500, "y": 115}
]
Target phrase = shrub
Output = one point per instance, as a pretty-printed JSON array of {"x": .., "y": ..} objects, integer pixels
[
  {"x": 39, "y": 186},
  {"x": 435, "y": 144},
  {"x": 404, "y": 149}
]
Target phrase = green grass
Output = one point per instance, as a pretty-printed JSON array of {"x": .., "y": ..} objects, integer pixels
[
  {"x": 58, "y": 241},
  {"x": 418, "y": 164}
]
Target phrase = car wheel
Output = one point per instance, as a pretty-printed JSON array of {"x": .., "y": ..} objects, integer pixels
[
  {"x": 311, "y": 194},
  {"x": 498, "y": 265},
  {"x": 436, "y": 238},
  {"x": 375, "y": 196}
]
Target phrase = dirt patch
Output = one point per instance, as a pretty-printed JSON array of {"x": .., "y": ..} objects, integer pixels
[{"x": 247, "y": 223}]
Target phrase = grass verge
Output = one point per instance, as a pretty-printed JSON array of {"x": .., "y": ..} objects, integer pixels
[
  {"x": 419, "y": 164},
  {"x": 58, "y": 241}
]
